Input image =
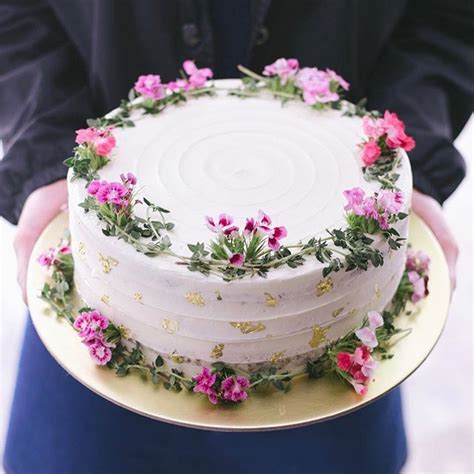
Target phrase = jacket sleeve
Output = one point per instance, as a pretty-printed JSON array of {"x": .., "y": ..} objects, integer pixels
[
  {"x": 426, "y": 75},
  {"x": 44, "y": 97}
]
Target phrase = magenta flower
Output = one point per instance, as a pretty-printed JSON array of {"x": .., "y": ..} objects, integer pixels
[
  {"x": 112, "y": 193},
  {"x": 223, "y": 223},
  {"x": 234, "y": 388},
  {"x": 90, "y": 325},
  {"x": 204, "y": 384},
  {"x": 197, "y": 77},
  {"x": 94, "y": 187},
  {"x": 417, "y": 261},
  {"x": 263, "y": 219},
  {"x": 274, "y": 237},
  {"x": 179, "y": 85},
  {"x": 250, "y": 226},
  {"x": 237, "y": 259},
  {"x": 370, "y": 152},
  {"x": 100, "y": 352},
  {"x": 283, "y": 68},
  {"x": 231, "y": 231},
  {"x": 150, "y": 86},
  {"x": 373, "y": 128},
  {"x": 129, "y": 179},
  {"x": 48, "y": 258}
]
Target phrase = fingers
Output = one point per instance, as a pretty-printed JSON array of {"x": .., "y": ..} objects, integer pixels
[
  {"x": 432, "y": 213},
  {"x": 39, "y": 209}
]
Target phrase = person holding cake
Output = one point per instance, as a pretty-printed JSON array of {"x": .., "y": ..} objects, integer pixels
[{"x": 62, "y": 64}]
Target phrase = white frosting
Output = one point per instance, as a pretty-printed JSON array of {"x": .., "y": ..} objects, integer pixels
[{"x": 225, "y": 154}]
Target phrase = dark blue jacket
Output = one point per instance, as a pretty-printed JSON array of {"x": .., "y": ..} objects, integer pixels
[{"x": 64, "y": 61}]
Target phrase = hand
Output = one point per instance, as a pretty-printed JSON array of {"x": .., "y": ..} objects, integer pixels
[
  {"x": 40, "y": 208},
  {"x": 432, "y": 213}
]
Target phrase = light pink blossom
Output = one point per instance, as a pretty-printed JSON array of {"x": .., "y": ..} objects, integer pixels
[
  {"x": 395, "y": 131},
  {"x": 129, "y": 179},
  {"x": 150, "y": 86},
  {"x": 233, "y": 388},
  {"x": 179, "y": 85},
  {"x": 390, "y": 201},
  {"x": 359, "y": 388},
  {"x": 367, "y": 336},
  {"x": 375, "y": 319},
  {"x": 355, "y": 199},
  {"x": 333, "y": 76},
  {"x": 197, "y": 77},
  {"x": 373, "y": 128},
  {"x": 419, "y": 284},
  {"x": 370, "y": 152},
  {"x": 316, "y": 86},
  {"x": 283, "y": 68},
  {"x": 417, "y": 261}
]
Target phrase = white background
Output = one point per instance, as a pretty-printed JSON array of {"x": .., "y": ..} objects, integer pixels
[{"x": 438, "y": 397}]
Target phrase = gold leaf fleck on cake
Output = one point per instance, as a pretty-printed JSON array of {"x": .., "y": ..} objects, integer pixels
[
  {"x": 218, "y": 295},
  {"x": 377, "y": 293},
  {"x": 276, "y": 357},
  {"x": 195, "y": 298},
  {"x": 217, "y": 351},
  {"x": 176, "y": 357},
  {"x": 124, "y": 332},
  {"x": 270, "y": 300},
  {"x": 138, "y": 297},
  {"x": 105, "y": 299},
  {"x": 352, "y": 312},
  {"x": 324, "y": 286},
  {"x": 107, "y": 263},
  {"x": 248, "y": 327},
  {"x": 319, "y": 336},
  {"x": 337, "y": 312},
  {"x": 81, "y": 248},
  {"x": 170, "y": 325}
]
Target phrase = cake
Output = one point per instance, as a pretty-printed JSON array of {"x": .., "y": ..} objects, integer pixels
[{"x": 246, "y": 223}]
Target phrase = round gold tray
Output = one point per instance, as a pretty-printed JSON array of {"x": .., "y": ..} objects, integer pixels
[{"x": 308, "y": 401}]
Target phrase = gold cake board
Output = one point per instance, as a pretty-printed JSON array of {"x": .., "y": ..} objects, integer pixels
[{"x": 307, "y": 401}]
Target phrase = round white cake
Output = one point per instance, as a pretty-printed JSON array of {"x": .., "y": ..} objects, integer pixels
[{"x": 225, "y": 154}]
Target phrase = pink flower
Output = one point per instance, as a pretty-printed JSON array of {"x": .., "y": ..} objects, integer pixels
[
  {"x": 197, "y": 77},
  {"x": 104, "y": 143},
  {"x": 204, "y": 384},
  {"x": 359, "y": 388},
  {"x": 237, "y": 259},
  {"x": 355, "y": 198},
  {"x": 112, "y": 193},
  {"x": 395, "y": 131},
  {"x": 420, "y": 286},
  {"x": 391, "y": 202},
  {"x": 274, "y": 237},
  {"x": 283, "y": 68},
  {"x": 224, "y": 222},
  {"x": 179, "y": 85},
  {"x": 344, "y": 360},
  {"x": 94, "y": 187},
  {"x": 150, "y": 86},
  {"x": 100, "y": 352},
  {"x": 128, "y": 179},
  {"x": 231, "y": 231},
  {"x": 101, "y": 141},
  {"x": 250, "y": 226},
  {"x": 373, "y": 128},
  {"x": 234, "y": 388},
  {"x": 367, "y": 336},
  {"x": 48, "y": 258},
  {"x": 375, "y": 319},
  {"x": 370, "y": 152},
  {"x": 90, "y": 324},
  {"x": 263, "y": 219},
  {"x": 333, "y": 76},
  {"x": 316, "y": 86},
  {"x": 64, "y": 249},
  {"x": 417, "y": 261}
]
